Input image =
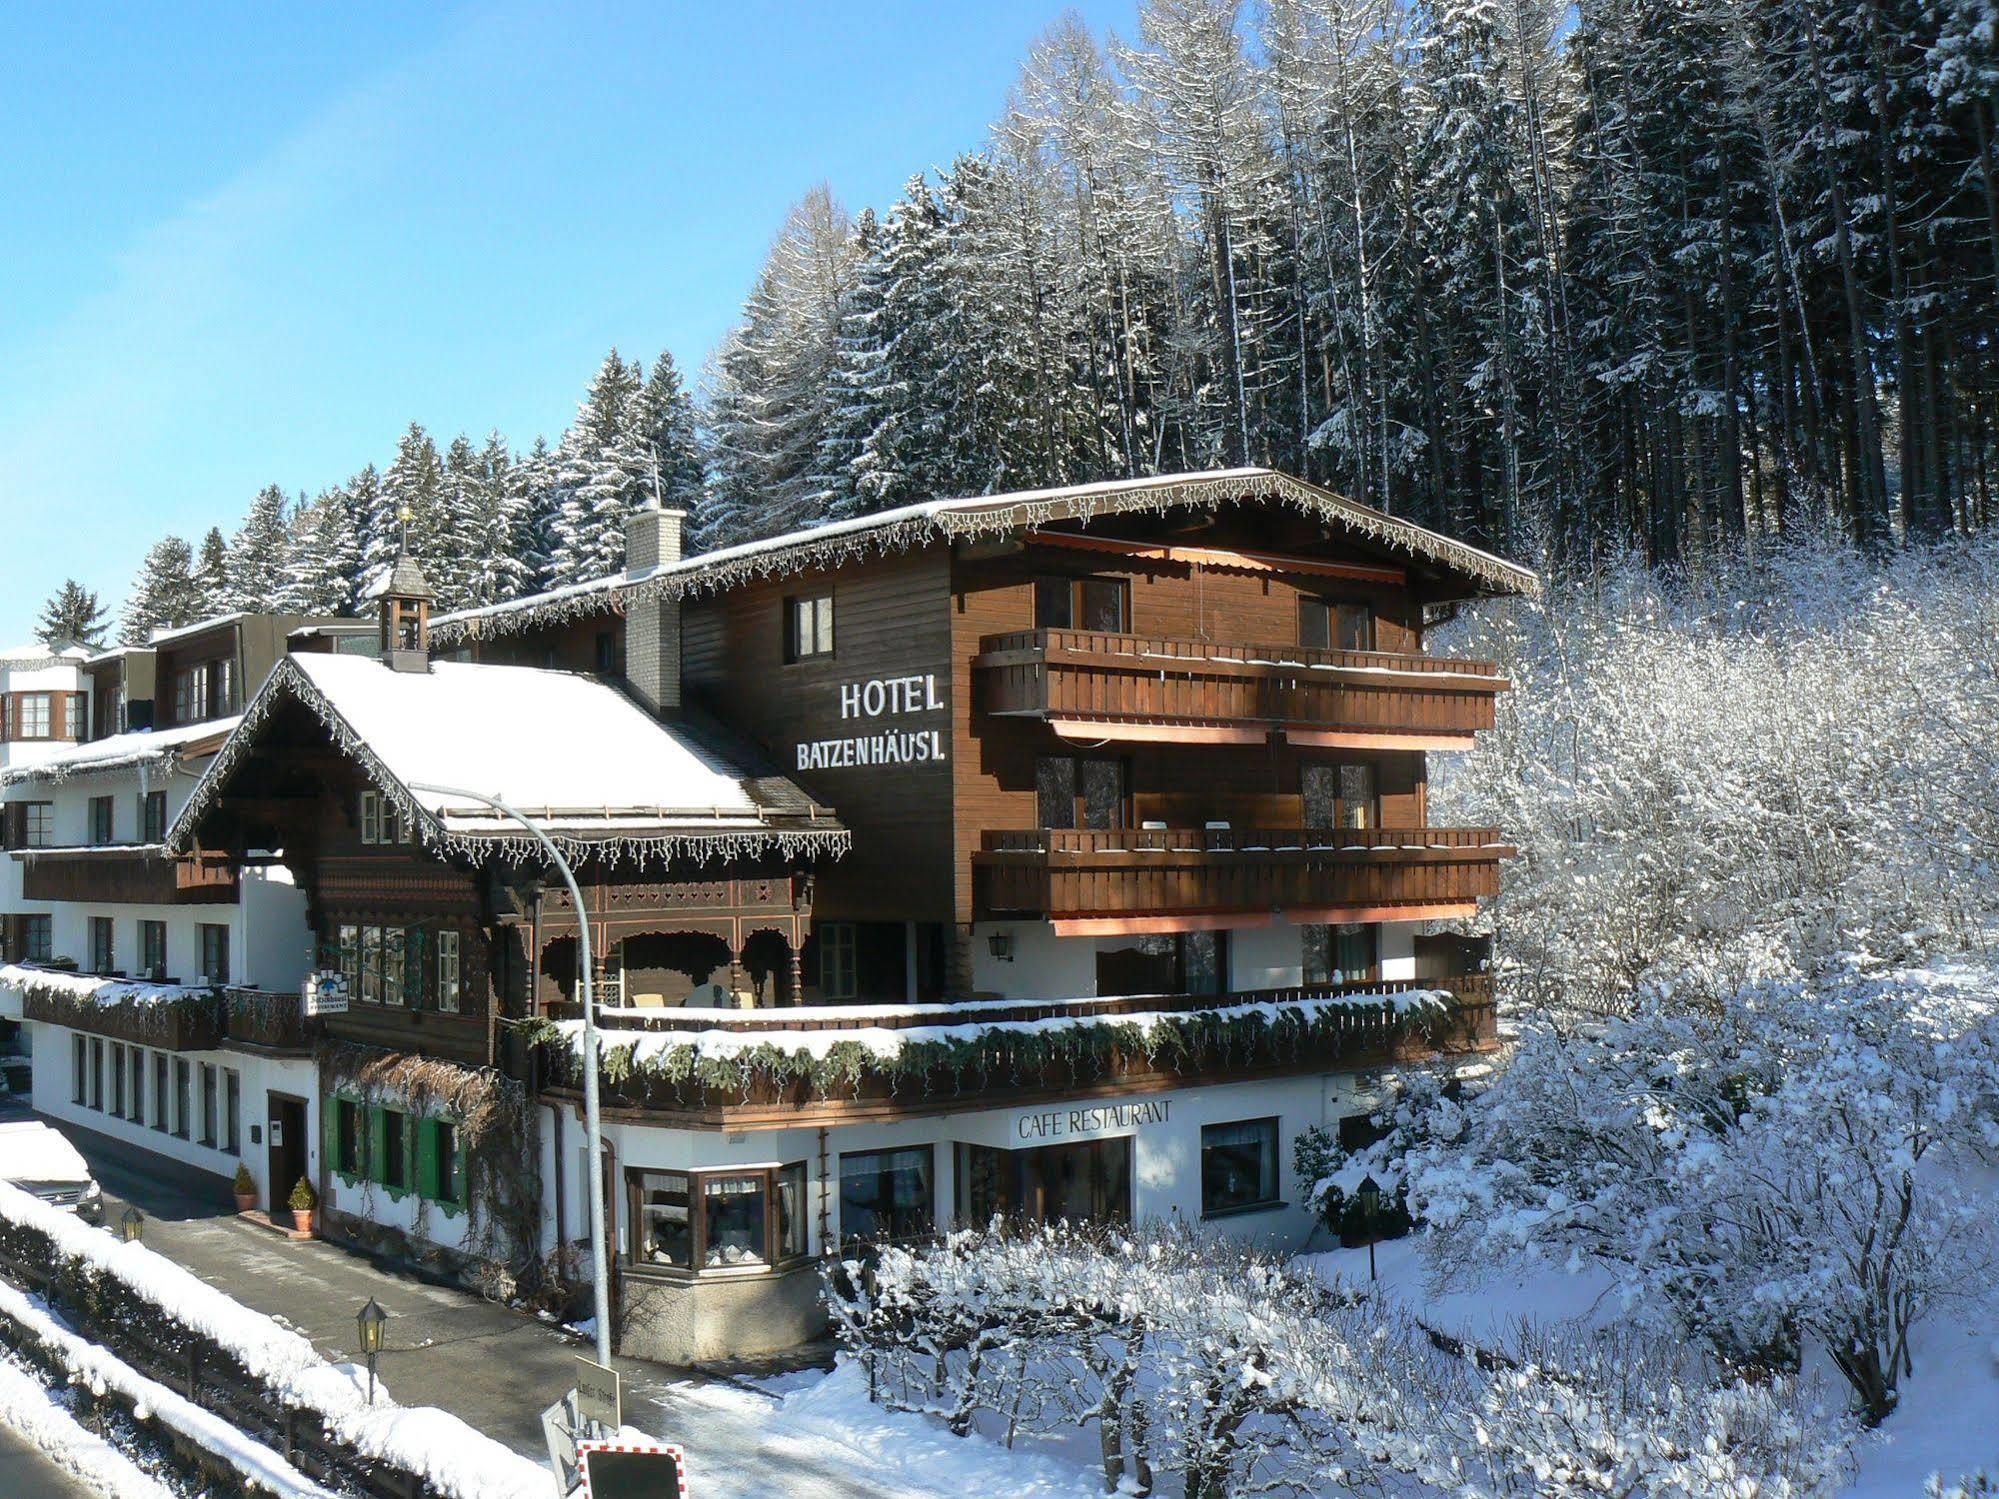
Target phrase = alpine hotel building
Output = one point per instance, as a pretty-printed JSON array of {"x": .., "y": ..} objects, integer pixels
[{"x": 1055, "y": 854}]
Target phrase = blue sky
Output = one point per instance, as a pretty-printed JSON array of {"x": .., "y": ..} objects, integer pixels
[{"x": 248, "y": 244}]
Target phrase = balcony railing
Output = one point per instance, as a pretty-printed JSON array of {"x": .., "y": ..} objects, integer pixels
[
  {"x": 140, "y": 874},
  {"x": 971, "y": 1055},
  {"x": 1140, "y": 874},
  {"x": 170, "y": 1017},
  {"x": 270, "y": 1019},
  {"x": 1134, "y": 686}
]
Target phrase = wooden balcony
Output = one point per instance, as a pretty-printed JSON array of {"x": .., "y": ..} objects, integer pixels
[
  {"x": 966, "y": 1056},
  {"x": 141, "y": 874},
  {"x": 1090, "y": 881},
  {"x": 188, "y": 1021},
  {"x": 271, "y": 1020},
  {"x": 1132, "y": 688}
]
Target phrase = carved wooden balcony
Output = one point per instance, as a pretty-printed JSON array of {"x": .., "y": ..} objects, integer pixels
[
  {"x": 268, "y": 1019},
  {"x": 1093, "y": 685},
  {"x": 1108, "y": 881}
]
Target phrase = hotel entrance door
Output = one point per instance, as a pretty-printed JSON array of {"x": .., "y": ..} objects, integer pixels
[{"x": 1087, "y": 1182}]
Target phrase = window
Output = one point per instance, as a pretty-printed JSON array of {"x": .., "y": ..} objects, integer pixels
[
  {"x": 838, "y": 973},
  {"x": 97, "y": 1073},
  {"x": 371, "y": 965},
  {"x": 153, "y": 949},
  {"x": 79, "y": 1070},
  {"x": 117, "y": 1079},
  {"x": 34, "y": 716},
  {"x": 232, "y": 1111},
  {"x": 1238, "y": 1166},
  {"x": 808, "y": 627},
  {"x": 214, "y": 953},
  {"x": 211, "y": 1106},
  {"x": 719, "y": 1220},
  {"x": 350, "y": 958},
  {"x": 160, "y": 1091},
  {"x": 393, "y": 941},
  {"x": 37, "y": 938},
  {"x": 1078, "y": 793},
  {"x": 1339, "y": 796},
  {"x": 348, "y": 1157},
  {"x": 191, "y": 694},
  {"x": 100, "y": 819},
  {"x": 183, "y": 1085},
  {"x": 1163, "y": 963},
  {"x": 102, "y": 958},
  {"x": 1102, "y": 604},
  {"x": 663, "y": 1222},
  {"x": 38, "y": 824},
  {"x": 395, "y": 1138},
  {"x": 447, "y": 972},
  {"x": 153, "y": 817},
  {"x": 380, "y": 822},
  {"x": 440, "y": 1168},
  {"x": 610, "y": 661},
  {"x": 1330, "y": 625},
  {"x": 733, "y": 1225},
  {"x": 222, "y": 678},
  {"x": 136, "y": 1112},
  {"x": 1343, "y": 954},
  {"x": 887, "y": 1195}
]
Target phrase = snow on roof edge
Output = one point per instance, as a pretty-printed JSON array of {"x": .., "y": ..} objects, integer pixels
[
  {"x": 150, "y": 747},
  {"x": 897, "y": 530},
  {"x": 435, "y": 829}
]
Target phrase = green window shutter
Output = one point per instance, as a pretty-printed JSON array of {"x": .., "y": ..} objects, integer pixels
[
  {"x": 378, "y": 1155},
  {"x": 414, "y": 988},
  {"x": 426, "y": 1158},
  {"x": 329, "y": 1142}
]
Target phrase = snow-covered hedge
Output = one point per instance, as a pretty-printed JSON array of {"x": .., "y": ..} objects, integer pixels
[
  {"x": 995, "y": 1051},
  {"x": 131, "y": 1283},
  {"x": 1784, "y": 1168},
  {"x": 1236, "y": 1374}
]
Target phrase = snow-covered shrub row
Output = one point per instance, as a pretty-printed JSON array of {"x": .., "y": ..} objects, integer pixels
[
  {"x": 176, "y": 1309},
  {"x": 1739, "y": 776},
  {"x": 1780, "y": 1169},
  {"x": 1236, "y": 1374}
]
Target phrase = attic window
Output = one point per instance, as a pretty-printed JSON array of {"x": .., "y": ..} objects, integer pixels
[
  {"x": 808, "y": 626},
  {"x": 380, "y": 822}
]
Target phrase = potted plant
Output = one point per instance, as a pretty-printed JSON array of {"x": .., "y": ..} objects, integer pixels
[
  {"x": 304, "y": 1202},
  {"x": 245, "y": 1189}
]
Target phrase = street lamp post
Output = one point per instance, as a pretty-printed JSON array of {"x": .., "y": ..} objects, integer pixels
[
  {"x": 600, "y": 1275},
  {"x": 1369, "y": 1193},
  {"x": 369, "y": 1321}
]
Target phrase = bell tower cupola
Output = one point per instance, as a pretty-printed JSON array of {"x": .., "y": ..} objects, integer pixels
[{"x": 403, "y": 597}]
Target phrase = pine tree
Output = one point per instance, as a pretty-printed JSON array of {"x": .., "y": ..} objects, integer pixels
[
  {"x": 413, "y": 486},
  {"x": 256, "y": 563},
  {"x": 855, "y": 393},
  {"x": 670, "y": 436},
  {"x": 165, "y": 595},
  {"x": 603, "y": 471},
  {"x": 324, "y": 560},
  {"x": 72, "y": 616},
  {"x": 211, "y": 575},
  {"x": 463, "y": 530},
  {"x": 375, "y": 524}
]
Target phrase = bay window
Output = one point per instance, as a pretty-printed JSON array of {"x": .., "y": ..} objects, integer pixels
[{"x": 738, "y": 1218}]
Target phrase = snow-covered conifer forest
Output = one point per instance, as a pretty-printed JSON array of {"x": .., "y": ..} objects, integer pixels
[{"x": 1570, "y": 280}]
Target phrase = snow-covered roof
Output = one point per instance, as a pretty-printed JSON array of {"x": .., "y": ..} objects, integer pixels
[
  {"x": 37, "y": 653},
  {"x": 915, "y": 525},
  {"x": 30, "y": 1151},
  {"x": 195, "y": 627},
  {"x": 596, "y": 771},
  {"x": 153, "y": 749}
]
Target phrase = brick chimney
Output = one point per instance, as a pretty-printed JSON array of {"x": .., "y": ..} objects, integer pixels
[{"x": 652, "y": 626}]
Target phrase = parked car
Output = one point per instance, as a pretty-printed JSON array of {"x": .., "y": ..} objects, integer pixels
[{"x": 38, "y": 1159}]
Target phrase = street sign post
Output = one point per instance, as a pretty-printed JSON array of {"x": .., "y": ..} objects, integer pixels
[
  {"x": 632, "y": 1470},
  {"x": 599, "y": 1397}
]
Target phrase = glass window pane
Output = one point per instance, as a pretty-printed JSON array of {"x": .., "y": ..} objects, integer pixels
[
  {"x": 392, "y": 965},
  {"x": 1315, "y": 630},
  {"x": 1238, "y": 1164},
  {"x": 1055, "y": 791},
  {"x": 1356, "y": 627},
  {"x": 1357, "y": 796},
  {"x": 791, "y": 1221},
  {"x": 734, "y": 1220},
  {"x": 1053, "y": 603},
  {"x": 1103, "y": 793},
  {"x": 886, "y": 1194},
  {"x": 1103, "y": 604},
  {"x": 666, "y": 1228}
]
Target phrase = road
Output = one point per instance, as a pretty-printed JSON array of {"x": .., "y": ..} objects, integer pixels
[
  {"x": 495, "y": 1368},
  {"x": 26, "y": 1474}
]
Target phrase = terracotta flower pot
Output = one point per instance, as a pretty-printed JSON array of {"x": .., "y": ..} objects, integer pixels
[
  {"x": 302, "y": 1219},
  {"x": 245, "y": 1201}
]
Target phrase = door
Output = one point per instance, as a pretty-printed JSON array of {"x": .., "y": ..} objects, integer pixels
[{"x": 284, "y": 1136}]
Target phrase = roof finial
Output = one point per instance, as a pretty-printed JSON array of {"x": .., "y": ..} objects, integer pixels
[{"x": 404, "y": 515}]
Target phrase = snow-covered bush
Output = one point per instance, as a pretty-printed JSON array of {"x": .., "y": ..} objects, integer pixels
[
  {"x": 1734, "y": 777},
  {"x": 1778, "y": 1168},
  {"x": 1238, "y": 1374}
]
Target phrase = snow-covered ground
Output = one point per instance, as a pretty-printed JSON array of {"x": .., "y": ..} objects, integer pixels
[{"x": 32, "y": 1412}]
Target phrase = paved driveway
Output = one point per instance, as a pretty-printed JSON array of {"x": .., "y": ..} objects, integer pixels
[
  {"x": 26, "y": 1474},
  {"x": 494, "y": 1367}
]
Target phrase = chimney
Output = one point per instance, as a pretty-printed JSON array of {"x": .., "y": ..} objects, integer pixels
[{"x": 652, "y": 625}]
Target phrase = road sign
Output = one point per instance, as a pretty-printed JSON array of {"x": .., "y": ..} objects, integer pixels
[
  {"x": 599, "y": 1397},
  {"x": 558, "y": 1428},
  {"x": 632, "y": 1470}
]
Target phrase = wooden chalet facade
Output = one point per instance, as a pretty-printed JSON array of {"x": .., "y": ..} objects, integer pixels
[{"x": 1010, "y": 782}]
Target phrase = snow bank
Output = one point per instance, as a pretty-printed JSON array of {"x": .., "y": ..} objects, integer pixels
[
  {"x": 456, "y": 1459},
  {"x": 27, "y": 1409},
  {"x": 84, "y": 988}
]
